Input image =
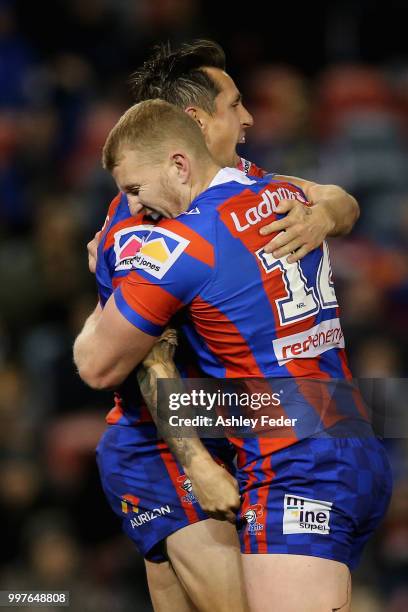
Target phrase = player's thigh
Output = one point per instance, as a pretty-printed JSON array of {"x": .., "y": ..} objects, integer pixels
[
  {"x": 206, "y": 558},
  {"x": 293, "y": 583},
  {"x": 166, "y": 591}
]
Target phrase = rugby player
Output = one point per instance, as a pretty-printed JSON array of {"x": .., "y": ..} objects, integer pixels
[
  {"x": 210, "y": 96},
  {"x": 263, "y": 323}
]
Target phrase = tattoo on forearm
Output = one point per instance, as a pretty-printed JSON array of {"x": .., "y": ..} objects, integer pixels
[
  {"x": 147, "y": 380},
  {"x": 186, "y": 444}
]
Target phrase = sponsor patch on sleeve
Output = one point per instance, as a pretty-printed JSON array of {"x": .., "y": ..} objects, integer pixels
[
  {"x": 159, "y": 251},
  {"x": 128, "y": 242}
]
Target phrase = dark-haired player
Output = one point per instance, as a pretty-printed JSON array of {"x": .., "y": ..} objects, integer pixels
[{"x": 193, "y": 78}]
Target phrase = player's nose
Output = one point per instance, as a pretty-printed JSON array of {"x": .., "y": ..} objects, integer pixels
[
  {"x": 135, "y": 206},
  {"x": 246, "y": 118}
]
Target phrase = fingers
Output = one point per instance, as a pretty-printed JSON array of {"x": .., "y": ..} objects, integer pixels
[
  {"x": 92, "y": 247},
  {"x": 289, "y": 248},
  {"x": 302, "y": 230},
  {"x": 93, "y": 244},
  {"x": 285, "y": 206},
  {"x": 223, "y": 515},
  {"x": 279, "y": 246},
  {"x": 169, "y": 335},
  {"x": 231, "y": 517},
  {"x": 276, "y": 226},
  {"x": 166, "y": 345},
  {"x": 298, "y": 255}
]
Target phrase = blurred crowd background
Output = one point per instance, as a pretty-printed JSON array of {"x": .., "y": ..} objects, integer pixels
[{"x": 328, "y": 88}]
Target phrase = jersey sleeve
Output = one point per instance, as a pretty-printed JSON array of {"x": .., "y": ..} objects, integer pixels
[
  {"x": 103, "y": 279},
  {"x": 111, "y": 212},
  {"x": 170, "y": 270}
]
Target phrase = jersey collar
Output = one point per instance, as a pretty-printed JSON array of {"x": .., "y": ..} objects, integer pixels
[{"x": 226, "y": 175}]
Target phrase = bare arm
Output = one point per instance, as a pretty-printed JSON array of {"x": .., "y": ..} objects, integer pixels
[
  {"x": 341, "y": 207},
  {"x": 215, "y": 489},
  {"x": 333, "y": 212},
  {"x": 105, "y": 352},
  {"x": 109, "y": 347}
]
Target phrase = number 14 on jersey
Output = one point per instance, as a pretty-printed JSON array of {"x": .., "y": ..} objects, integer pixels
[{"x": 303, "y": 298}]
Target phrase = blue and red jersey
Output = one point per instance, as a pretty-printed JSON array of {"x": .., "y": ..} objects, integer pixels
[
  {"x": 121, "y": 239},
  {"x": 247, "y": 313}
]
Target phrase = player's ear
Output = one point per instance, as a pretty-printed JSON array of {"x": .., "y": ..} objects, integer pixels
[
  {"x": 181, "y": 166},
  {"x": 198, "y": 115}
]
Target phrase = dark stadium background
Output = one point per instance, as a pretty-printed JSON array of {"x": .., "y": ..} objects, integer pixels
[{"x": 328, "y": 87}]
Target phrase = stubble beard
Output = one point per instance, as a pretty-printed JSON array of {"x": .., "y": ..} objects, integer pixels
[{"x": 172, "y": 197}]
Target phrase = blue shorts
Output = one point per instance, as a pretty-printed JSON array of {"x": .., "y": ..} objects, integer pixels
[
  {"x": 321, "y": 497},
  {"x": 147, "y": 488}
]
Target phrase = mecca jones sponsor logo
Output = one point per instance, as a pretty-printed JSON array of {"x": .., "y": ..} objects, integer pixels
[
  {"x": 130, "y": 506},
  {"x": 265, "y": 208},
  {"x": 127, "y": 244},
  {"x": 303, "y": 515},
  {"x": 159, "y": 251}
]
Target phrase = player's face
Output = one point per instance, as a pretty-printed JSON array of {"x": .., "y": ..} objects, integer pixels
[
  {"x": 226, "y": 127},
  {"x": 149, "y": 188}
]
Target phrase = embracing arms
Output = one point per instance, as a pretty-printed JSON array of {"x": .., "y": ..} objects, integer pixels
[
  {"x": 333, "y": 212},
  {"x": 106, "y": 351}
]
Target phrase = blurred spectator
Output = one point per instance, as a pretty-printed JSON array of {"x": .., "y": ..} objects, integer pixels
[{"x": 279, "y": 98}]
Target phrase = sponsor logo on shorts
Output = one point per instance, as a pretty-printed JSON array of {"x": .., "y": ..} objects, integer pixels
[
  {"x": 150, "y": 515},
  {"x": 159, "y": 251},
  {"x": 130, "y": 506},
  {"x": 130, "y": 503},
  {"x": 310, "y": 343},
  {"x": 251, "y": 516},
  {"x": 127, "y": 244},
  {"x": 303, "y": 515},
  {"x": 185, "y": 484}
]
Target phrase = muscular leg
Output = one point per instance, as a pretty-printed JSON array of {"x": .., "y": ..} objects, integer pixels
[
  {"x": 166, "y": 592},
  {"x": 294, "y": 583},
  {"x": 206, "y": 558}
]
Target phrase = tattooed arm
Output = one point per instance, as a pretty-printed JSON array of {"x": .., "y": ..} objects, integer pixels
[{"x": 215, "y": 489}]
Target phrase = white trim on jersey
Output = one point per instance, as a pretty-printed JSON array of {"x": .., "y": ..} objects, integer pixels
[{"x": 226, "y": 175}]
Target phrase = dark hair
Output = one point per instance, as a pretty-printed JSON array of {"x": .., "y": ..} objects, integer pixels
[
  {"x": 152, "y": 126},
  {"x": 177, "y": 76}
]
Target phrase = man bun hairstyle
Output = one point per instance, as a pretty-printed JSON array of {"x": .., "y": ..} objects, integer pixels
[{"x": 177, "y": 75}]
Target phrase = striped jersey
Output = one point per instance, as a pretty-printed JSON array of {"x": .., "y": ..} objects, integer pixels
[
  {"x": 246, "y": 313},
  {"x": 120, "y": 241}
]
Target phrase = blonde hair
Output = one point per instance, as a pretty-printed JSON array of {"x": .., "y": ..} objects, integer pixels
[{"x": 152, "y": 126}]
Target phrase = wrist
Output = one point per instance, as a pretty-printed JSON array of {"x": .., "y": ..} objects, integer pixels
[
  {"x": 326, "y": 216},
  {"x": 200, "y": 462}
]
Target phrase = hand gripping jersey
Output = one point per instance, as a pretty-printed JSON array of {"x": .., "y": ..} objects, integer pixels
[
  {"x": 249, "y": 315},
  {"x": 121, "y": 240}
]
